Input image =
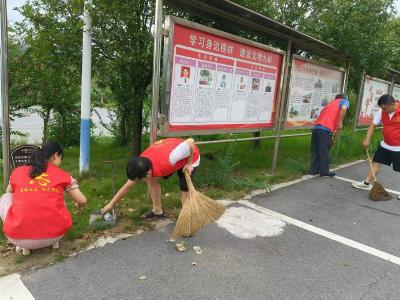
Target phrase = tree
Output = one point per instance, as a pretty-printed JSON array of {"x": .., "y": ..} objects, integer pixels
[
  {"x": 48, "y": 75},
  {"x": 360, "y": 28},
  {"x": 393, "y": 39},
  {"x": 123, "y": 43}
]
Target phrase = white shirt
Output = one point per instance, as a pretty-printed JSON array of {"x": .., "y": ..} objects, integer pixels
[
  {"x": 378, "y": 121},
  {"x": 180, "y": 152}
]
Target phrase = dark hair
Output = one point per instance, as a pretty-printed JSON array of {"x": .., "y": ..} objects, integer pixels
[
  {"x": 341, "y": 96},
  {"x": 385, "y": 99},
  {"x": 40, "y": 157},
  {"x": 138, "y": 167}
]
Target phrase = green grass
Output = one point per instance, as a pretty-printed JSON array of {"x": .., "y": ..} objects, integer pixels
[
  {"x": 226, "y": 170},
  {"x": 60, "y": 257}
]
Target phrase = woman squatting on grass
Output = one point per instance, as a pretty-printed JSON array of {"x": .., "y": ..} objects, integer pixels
[{"x": 33, "y": 209}]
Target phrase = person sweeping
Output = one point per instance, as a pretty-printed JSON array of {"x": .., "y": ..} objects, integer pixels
[
  {"x": 388, "y": 151},
  {"x": 326, "y": 127},
  {"x": 161, "y": 160}
]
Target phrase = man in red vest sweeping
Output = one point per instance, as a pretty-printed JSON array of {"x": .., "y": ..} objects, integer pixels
[
  {"x": 388, "y": 152},
  {"x": 160, "y": 160},
  {"x": 328, "y": 123}
]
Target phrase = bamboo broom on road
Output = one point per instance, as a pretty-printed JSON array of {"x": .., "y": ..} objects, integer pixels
[
  {"x": 198, "y": 211},
  {"x": 377, "y": 193}
]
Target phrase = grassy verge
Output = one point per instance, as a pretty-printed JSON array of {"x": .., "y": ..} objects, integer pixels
[{"x": 227, "y": 171}]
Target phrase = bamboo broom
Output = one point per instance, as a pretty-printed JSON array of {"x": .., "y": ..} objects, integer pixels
[
  {"x": 197, "y": 211},
  {"x": 377, "y": 193}
]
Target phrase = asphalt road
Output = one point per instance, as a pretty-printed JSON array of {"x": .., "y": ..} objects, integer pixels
[{"x": 290, "y": 262}]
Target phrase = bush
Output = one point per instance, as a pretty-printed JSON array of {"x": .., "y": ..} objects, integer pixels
[{"x": 65, "y": 128}]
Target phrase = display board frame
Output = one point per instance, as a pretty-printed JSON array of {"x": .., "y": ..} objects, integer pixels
[
  {"x": 366, "y": 77},
  {"x": 164, "y": 118},
  {"x": 309, "y": 124}
]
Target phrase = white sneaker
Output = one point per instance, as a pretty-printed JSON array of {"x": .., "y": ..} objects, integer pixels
[{"x": 361, "y": 185}]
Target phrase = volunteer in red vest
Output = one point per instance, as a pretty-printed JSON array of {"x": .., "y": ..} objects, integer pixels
[
  {"x": 160, "y": 160},
  {"x": 328, "y": 123},
  {"x": 33, "y": 210},
  {"x": 388, "y": 152}
]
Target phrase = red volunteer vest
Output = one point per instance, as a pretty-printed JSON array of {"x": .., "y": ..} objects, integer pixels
[
  {"x": 159, "y": 152},
  {"x": 391, "y": 128},
  {"x": 329, "y": 116},
  {"x": 38, "y": 210}
]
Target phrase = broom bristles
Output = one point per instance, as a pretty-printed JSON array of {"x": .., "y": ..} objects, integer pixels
[
  {"x": 198, "y": 211},
  {"x": 378, "y": 193}
]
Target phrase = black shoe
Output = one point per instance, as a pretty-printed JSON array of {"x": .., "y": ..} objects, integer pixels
[
  {"x": 314, "y": 173},
  {"x": 151, "y": 215},
  {"x": 330, "y": 174}
]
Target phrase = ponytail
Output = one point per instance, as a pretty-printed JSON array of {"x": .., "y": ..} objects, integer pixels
[
  {"x": 38, "y": 163},
  {"x": 40, "y": 157}
]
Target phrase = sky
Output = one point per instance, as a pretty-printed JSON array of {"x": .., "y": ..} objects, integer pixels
[
  {"x": 12, "y": 14},
  {"x": 15, "y": 16}
]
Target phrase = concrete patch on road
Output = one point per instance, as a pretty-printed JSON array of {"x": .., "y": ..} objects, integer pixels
[
  {"x": 247, "y": 223},
  {"x": 104, "y": 240},
  {"x": 11, "y": 287}
]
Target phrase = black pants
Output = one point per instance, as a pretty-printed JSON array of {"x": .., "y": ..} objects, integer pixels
[
  {"x": 182, "y": 181},
  {"x": 387, "y": 157},
  {"x": 321, "y": 141}
]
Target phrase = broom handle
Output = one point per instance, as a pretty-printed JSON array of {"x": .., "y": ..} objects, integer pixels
[
  {"x": 189, "y": 181},
  {"x": 370, "y": 164}
]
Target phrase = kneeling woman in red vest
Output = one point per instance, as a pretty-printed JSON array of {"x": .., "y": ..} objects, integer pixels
[
  {"x": 160, "y": 160},
  {"x": 33, "y": 210}
]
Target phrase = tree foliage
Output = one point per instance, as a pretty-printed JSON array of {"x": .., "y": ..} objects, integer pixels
[
  {"x": 46, "y": 51},
  {"x": 48, "y": 75},
  {"x": 123, "y": 59}
]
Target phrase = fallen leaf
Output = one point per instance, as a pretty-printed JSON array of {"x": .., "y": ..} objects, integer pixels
[
  {"x": 131, "y": 210},
  {"x": 180, "y": 247},
  {"x": 197, "y": 250},
  {"x": 143, "y": 277}
]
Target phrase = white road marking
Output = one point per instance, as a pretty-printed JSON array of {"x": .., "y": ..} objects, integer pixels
[
  {"x": 348, "y": 164},
  {"x": 247, "y": 223},
  {"x": 12, "y": 288},
  {"x": 327, "y": 234},
  {"x": 350, "y": 180},
  {"x": 303, "y": 178}
]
